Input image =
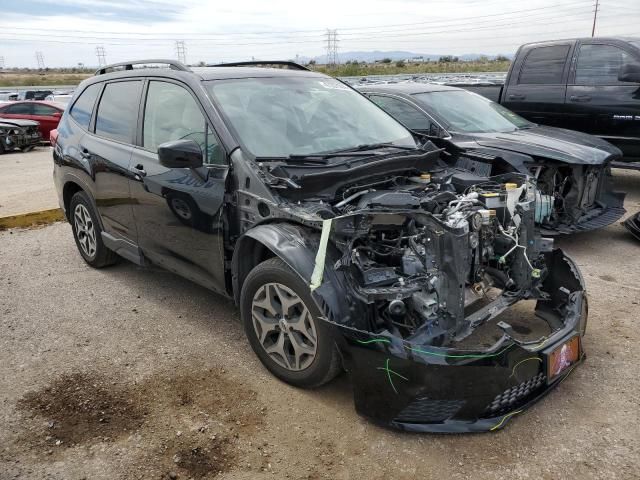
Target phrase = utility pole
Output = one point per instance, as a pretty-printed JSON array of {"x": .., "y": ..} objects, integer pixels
[
  {"x": 40, "y": 60},
  {"x": 102, "y": 56},
  {"x": 595, "y": 16},
  {"x": 332, "y": 47},
  {"x": 181, "y": 51}
]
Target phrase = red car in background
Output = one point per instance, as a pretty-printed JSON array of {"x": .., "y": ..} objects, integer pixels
[{"x": 46, "y": 113}]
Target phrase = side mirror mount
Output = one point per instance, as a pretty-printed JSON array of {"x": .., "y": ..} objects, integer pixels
[
  {"x": 180, "y": 154},
  {"x": 629, "y": 72}
]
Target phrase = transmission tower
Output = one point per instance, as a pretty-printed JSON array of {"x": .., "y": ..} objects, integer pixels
[
  {"x": 181, "y": 51},
  {"x": 332, "y": 47},
  {"x": 102, "y": 56},
  {"x": 40, "y": 59},
  {"x": 1, "y": 63}
]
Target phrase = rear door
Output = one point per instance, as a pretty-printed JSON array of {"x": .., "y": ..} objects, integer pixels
[
  {"x": 179, "y": 211},
  {"x": 108, "y": 149},
  {"x": 537, "y": 84},
  {"x": 598, "y": 102}
]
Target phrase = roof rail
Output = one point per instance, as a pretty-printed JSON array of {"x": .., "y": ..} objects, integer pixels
[
  {"x": 257, "y": 63},
  {"x": 173, "y": 64}
]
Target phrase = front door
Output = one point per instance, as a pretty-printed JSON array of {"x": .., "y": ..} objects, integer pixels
[
  {"x": 601, "y": 104},
  {"x": 179, "y": 211}
]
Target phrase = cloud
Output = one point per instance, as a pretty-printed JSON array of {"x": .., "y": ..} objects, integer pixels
[{"x": 68, "y": 31}]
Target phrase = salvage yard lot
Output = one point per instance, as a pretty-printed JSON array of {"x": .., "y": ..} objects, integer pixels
[{"x": 136, "y": 373}]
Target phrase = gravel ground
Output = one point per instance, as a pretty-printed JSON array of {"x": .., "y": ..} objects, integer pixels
[
  {"x": 135, "y": 373},
  {"x": 26, "y": 183}
]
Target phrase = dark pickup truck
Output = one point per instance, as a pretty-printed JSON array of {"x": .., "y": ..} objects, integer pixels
[{"x": 586, "y": 84}]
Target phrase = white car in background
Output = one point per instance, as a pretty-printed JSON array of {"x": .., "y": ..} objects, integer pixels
[{"x": 62, "y": 98}]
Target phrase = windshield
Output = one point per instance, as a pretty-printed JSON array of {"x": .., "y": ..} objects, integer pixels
[
  {"x": 468, "y": 112},
  {"x": 299, "y": 115}
]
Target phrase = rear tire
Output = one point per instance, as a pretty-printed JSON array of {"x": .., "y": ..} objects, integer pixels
[
  {"x": 87, "y": 232},
  {"x": 282, "y": 324}
]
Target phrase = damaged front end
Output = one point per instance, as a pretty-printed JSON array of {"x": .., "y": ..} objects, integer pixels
[{"x": 451, "y": 313}]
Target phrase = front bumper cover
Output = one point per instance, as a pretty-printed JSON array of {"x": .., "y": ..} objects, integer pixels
[{"x": 428, "y": 389}]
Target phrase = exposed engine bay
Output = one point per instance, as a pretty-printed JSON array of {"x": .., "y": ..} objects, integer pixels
[
  {"x": 419, "y": 249},
  {"x": 421, "y": 269}
]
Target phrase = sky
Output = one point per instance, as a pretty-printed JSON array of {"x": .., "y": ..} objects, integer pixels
[{"x": 67, "y": 32}]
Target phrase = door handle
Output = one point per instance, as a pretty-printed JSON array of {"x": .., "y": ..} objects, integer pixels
[
  {"x": 517, "y": 96},
  {"x": 84, "y": 153},
  {"x": 139, "y": 170},
  {"x": 580, "y": 98}
]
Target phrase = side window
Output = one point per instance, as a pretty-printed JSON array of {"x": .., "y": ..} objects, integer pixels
[
  {"x": 599, "y": 64},
  {"x": 544, "y": 65},
  {"x": 405, "y": 113},
  {"x": 20, "y": 109},
  {"x": 40, "y": 109},
  {"x": 117, "y": 115},
  {"x": 171, "y": 113},
  {"x": 83, "y": 106}
]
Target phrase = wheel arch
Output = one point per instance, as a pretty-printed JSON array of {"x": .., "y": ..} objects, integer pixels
[{"x": 296, "y": 246}]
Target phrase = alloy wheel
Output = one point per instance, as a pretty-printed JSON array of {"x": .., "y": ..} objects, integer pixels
[
  {"x": 85, "y": 230},
  {"x": 284, "y": 326}
]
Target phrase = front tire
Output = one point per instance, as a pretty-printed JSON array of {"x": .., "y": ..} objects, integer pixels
[
  {"x": 282, "y": 324},
  {"x": 87, "y": 232}
]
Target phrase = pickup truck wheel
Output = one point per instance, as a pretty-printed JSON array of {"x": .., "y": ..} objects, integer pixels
[
  {"x": 281, "y": 322},
  {"x": 87, "y": 232}
]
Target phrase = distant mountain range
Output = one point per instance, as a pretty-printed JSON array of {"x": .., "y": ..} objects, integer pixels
[{"x": 372, "y": 56}]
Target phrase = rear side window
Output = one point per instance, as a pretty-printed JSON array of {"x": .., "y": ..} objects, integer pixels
[
  {"x": 406, "y": 114},
  {"x": 82, "y": 108},
  {"x": 19, "y": 109},
  {"x": 544, "y": 65},
  {"x": 599, "y": 64},
  {"x": 117, "y": 114}
]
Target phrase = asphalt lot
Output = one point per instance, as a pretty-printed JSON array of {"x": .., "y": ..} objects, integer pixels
[
  {"x": 26, "y": 183},
  {"x": 136, "y": 373}
]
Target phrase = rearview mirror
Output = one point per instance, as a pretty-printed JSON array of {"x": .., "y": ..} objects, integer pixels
[
  {"x": 629, "y": 72},
  {"x": 180, "y": 154}
]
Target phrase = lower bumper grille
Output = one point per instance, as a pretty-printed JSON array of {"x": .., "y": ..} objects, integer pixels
[
  {"x": 426, "y": 410},
  {"x": 515, "y": 396}
]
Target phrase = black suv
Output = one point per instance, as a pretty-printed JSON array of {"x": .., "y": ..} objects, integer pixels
[{"x": 345, "y": 240}]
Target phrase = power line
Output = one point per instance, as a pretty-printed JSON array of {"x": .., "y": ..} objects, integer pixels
[
  {"x": 332, "y": 47},
  {"x": 102, "y": 56},
  {"x": 595, "y": 15},
  {"x": 343, "y": 29},
  {"x": 181, "y": 51},
  {"x": 40, "y": 60}
]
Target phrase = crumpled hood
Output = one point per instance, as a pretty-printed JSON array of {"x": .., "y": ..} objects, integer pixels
[
  {"x": 15, "y": 122},
  {"x": 553, "y": 143}
]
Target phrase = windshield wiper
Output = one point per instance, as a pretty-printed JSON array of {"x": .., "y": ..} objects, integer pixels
[
  {"x": 321, "y": 158},
  {"x": 374, "y": 146}
]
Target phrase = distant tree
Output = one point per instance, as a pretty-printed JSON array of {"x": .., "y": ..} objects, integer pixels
[
  {"x": 311, "y": 62},
  {"x": 400, "y": 64},
  {"x": 502, "y": 58},
  {"x": 386, "y": 60},
  {"x": 483, "y": 59},
  {"x": 201, "y": 63}
]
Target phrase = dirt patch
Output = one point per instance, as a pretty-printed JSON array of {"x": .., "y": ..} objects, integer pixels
[
  {"x": 607, "y": 278},
  {"x": 194, "y": 424},
  {"x": 80, "y": 407},
  {"x": 216, "y": 457}
]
